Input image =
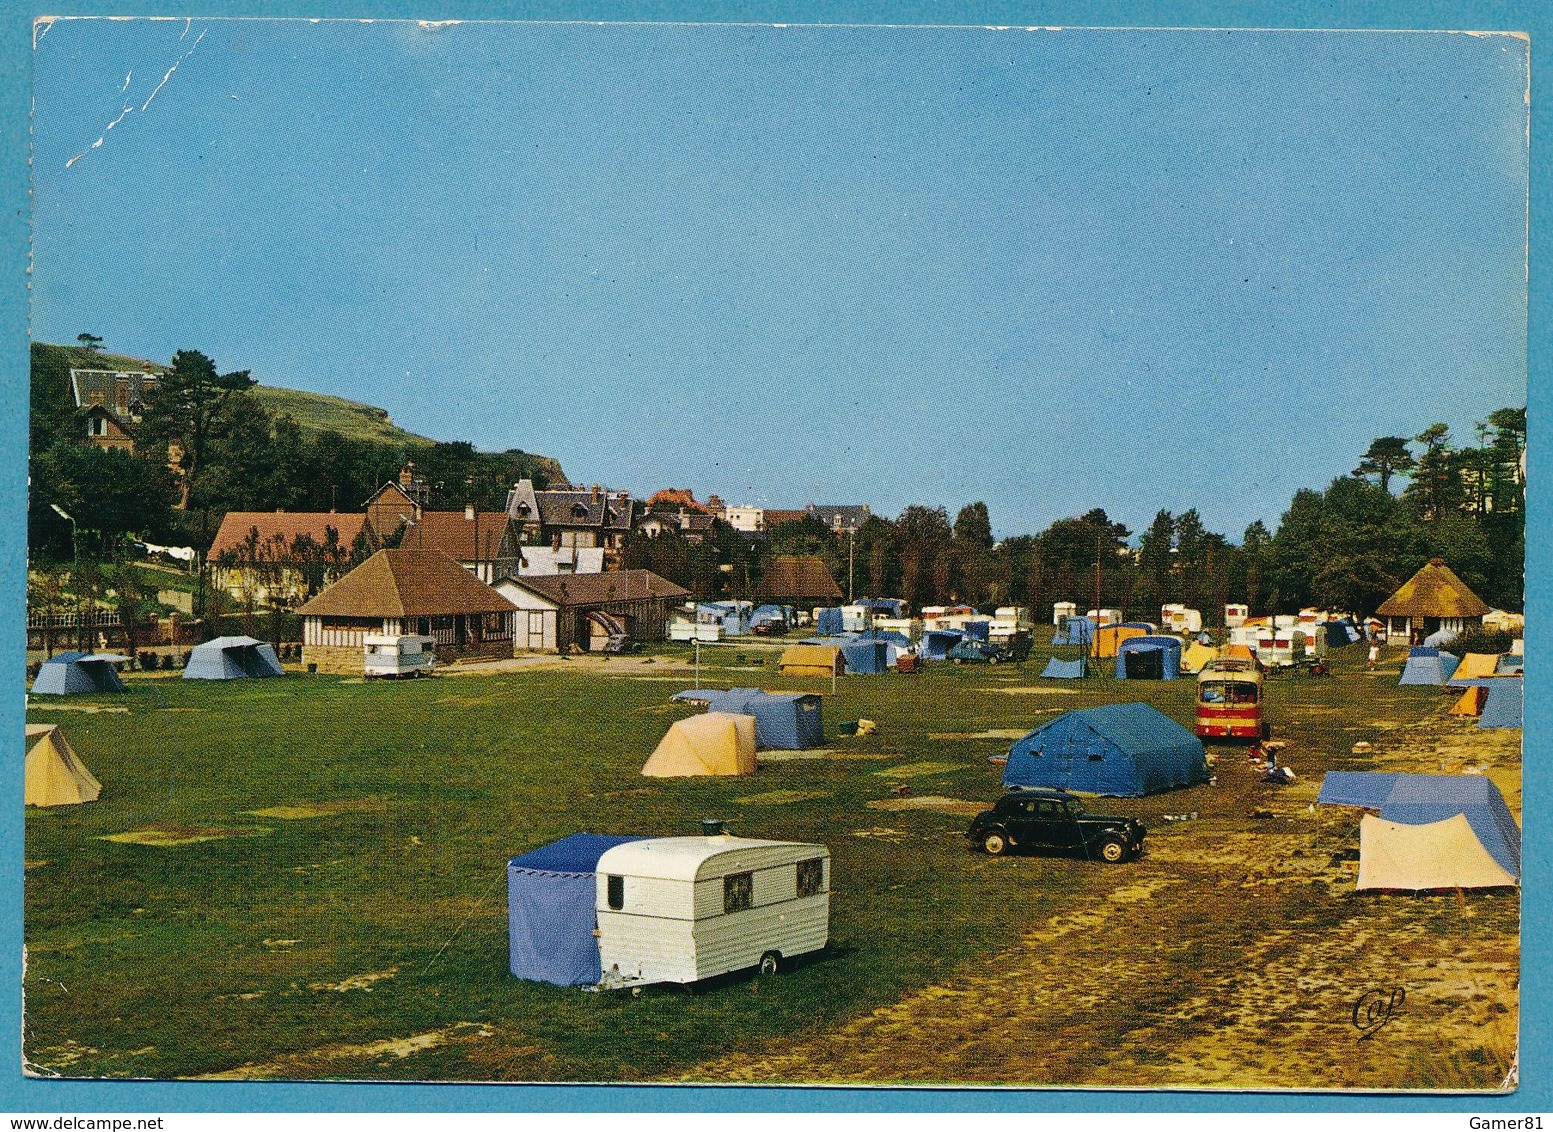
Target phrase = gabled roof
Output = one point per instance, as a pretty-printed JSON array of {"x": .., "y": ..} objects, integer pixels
[
  {"x": 104, "y": 382},
  {"x": 798, "y": 576},
  {"x": 841, "y": 516},
  {"x": 237, "y": 525},
  {"x": 454, "y": 535},
  {"x": 407, "y": 582},
  {"x": 599, "y": 589},
  {"x": 1435, "y": 591},
  {"x": 609, "y": 510}
]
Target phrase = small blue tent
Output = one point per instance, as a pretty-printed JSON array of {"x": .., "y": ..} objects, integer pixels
[
  {"x": 69, "y": 673},
  {"x": 1509, "y": 665},
  {"x": 551, "y": 897},
  {"x": 232, "y": 658},
  {"x": 784, "y": 721},
  {"x": 1428, "y": 665},
  {"x": 936, "y": 643},
  {"x": 1126, "y": 750},
  {"x": 1063, "y": 669},
  {"x": 865, "y": 657},
  {"x": 828, "y": 622},
  {"x": 1074, "y": 631},
  {"x": 1504, "y": 704},
  {"x": 1422, "y": 799},
  {"x": 1149, "y": 658}
]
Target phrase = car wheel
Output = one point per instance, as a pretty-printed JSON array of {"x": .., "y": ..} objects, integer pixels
[
  {"x": 1113, "y": 850},
  {"x": 770, "y": 963},
  {"x": 994, "y": 844},
  {"x": 992, "y": 660}
]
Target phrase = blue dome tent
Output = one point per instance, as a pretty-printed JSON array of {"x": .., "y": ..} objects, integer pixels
[{"x": 72, "y": 673}]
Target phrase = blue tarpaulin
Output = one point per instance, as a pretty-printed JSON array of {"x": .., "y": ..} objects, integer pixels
[
  {"x": 1168, "y": 650},
  {"x": 1074, "y": 631},
  {"x": 1125, "y": 750},
  {"x": 936, "y": 643},
  {"x": 1422, "y": 799},
  {"x": 69, "y": 673},
  {"x": 551, "y": 896},
  {"x": 978, "y": 630},
  {"x": 865, "y": 657},
  {"x": 1063, "y": 669},
  {"x": 1428, "y": 665},
  {"x": 784, "y": 721},
  {"x": 1504, "y": 704},
  {"x": 828, "y": 622}
]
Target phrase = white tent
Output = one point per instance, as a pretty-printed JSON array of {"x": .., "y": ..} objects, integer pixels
[
  {"x": 54, "y": 775},
  {"x": 1441, "y": 854}
]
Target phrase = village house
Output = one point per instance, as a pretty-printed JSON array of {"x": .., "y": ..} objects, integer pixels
[
  {"x": 111, "y": 403},
  {"x": 799, "y": 580},
  {"x": 557, "y": 612},
  {"x": 482, "y": 542},
  {"x": 572, "y": 518},
  {"x": 1431, "y": 600},
  {"x": 405, "y": 591},
  {"x": 249, "y": 557}
]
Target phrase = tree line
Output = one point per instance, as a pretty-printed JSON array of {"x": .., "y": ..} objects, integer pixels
[{"x": 1345, "y": 548}]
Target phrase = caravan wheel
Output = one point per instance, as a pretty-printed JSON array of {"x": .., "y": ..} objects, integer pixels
[{"x": 770, "y": 963}]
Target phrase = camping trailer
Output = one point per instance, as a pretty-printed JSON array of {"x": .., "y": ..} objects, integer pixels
[
  {"x": 682, "y": 909},
  {"x": 388, "y": 655}
]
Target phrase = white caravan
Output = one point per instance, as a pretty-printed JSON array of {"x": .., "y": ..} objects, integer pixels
[
  {"x": 681, "y": 909},
  {"x": 387, "y": 655}
]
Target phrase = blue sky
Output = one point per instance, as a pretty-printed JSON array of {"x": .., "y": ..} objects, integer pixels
[{"x": 1049, "y": 270}]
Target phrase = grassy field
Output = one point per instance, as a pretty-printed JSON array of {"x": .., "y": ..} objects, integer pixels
[
  {"x": 316, "y": 412},
  {"x": 359, "y": 931}
]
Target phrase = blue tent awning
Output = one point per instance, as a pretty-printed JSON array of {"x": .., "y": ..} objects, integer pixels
[{"x": 551, "y": 899}]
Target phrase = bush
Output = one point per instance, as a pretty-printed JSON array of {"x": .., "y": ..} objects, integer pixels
[{"x": 148, "y": 661}]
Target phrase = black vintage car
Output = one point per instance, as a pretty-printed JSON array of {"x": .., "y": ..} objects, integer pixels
[{"x": 1054, "y": 821}]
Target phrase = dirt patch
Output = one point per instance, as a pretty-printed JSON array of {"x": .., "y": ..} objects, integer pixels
[
  {"x": 356, "y": 982},
  {"x": 882, "y": 833},
  {"x": 781, "y": 797},
  {"x": 817, "y": 753},
  {"x": 1028, "y": 691},
  {"x": 165, "y": 837},
  {"x": 78, "y": 707},
  {"x": 916, "y": 770},
  {"x": 992, "y": 733},
  {"x": 930, "y": 802},
  {"x": 303, "y": 810},
  {"x": 326, "y": 1061}
]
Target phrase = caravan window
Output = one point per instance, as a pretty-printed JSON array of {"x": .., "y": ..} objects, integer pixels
[
  {"x": 616, "y": 892},
  {"x": 738, "y": 892},
  {"x": 811, "y": 877}
]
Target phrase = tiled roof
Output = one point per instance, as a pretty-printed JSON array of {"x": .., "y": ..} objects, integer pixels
[
  {"x": 104, "y": 382},
  {"x": 1435, "y": 591},
  {"x": 454, "y": 535},
  {"x": 237, "y": 525},
  {"x": 600, "y": 589},
  {"x": 774, "y": 518},
  {"x": 585, "y": 509},
  {"x": 798, "y": 576},
  {"x": 407, "y": 582}
]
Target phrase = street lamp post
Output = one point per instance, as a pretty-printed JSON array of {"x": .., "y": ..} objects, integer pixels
[{"x": 75, "y": 550}]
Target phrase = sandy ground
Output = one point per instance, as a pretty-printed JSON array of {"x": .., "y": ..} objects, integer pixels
[{"x": 1139, "y": 985}]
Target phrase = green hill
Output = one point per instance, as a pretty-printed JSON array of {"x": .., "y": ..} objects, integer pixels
[{"x": 317, "y": 412}]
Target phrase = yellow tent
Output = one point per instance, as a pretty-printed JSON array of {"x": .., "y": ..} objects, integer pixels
[
  {"x": 1196, "y": 655},
  {"x": 1242, "y": 652},
  {"x": 1108, "y": 638},
  {"x": 1475, "y": 666},
  {"x": 55, "y": 776},
  {"x": 1471, "y": 702},
  {"x": 1441, "y": 854},
  {"x": 718, "y": 742},
  {"x": 811, "y": 660}
]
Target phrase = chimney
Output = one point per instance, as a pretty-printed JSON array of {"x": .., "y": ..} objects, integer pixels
[{"x": 596, "y": 490}]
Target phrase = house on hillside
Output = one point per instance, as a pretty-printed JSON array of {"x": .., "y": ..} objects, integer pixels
[
  {"x": 1432, "y": 600},
  {"x": 556, "y": 612},
  {"x": 111, "y": 403},
  {"x": 405, "y": 591},
  {"x": 800, "y": 580},
  {"x": 251, "y": 556},
  {"x": 841, "y": 518},
  {"x": 572, "y": 518}
]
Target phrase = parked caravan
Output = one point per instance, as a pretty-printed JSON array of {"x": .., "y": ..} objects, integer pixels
[
  {"x": 683, "y": 909},
  {"x": 1177, "y": 618},
  {"x": 392, "y": 656},
  {"x": 1229, "y": 700},
  {"x": 1106, "y": 617},
  {"x": 1235, "y": 615},
  {"x": 1061, "y": 610}
]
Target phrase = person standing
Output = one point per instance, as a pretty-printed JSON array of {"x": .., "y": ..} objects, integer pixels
[{"x": 1374, "y": 655}]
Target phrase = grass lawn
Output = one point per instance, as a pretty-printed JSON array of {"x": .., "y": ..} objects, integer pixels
[{"x": 360, "y": 930}]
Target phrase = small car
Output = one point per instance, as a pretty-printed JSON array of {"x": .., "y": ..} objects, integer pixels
[
  {"x": 977, "y": 652},
  {"x": 1055, "y": 821}
]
